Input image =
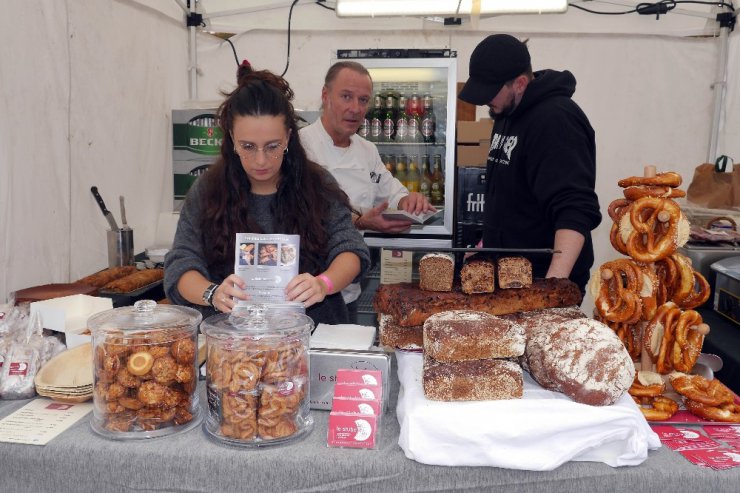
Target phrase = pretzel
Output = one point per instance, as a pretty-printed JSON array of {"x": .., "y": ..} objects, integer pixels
[
  {"x": 688, "y": 335},
  {"x": 616, "y": 239},
  {"x": 648, "y": 291},
  {"x": 638, "y": 192},
  {"x": 619, "y": 293},
  {"x": 667, "y": 272},
  {"x": 655, "y": 223},
  {"x": 729, "y": 412},
  {"x": 639, "y": 390},
  {"x": 667, "y": 179},
  {"x": 629, "y": 334},
  {"x": 658, "y": 408},
  {"x": 617, "y": 208},
  {"x": 699, "y": 389},
  {"x": 659, "y": 336}
]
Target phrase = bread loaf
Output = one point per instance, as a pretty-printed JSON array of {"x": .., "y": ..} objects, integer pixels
[
  {"x": 135, "y": 281},
  {"x": 478, "y": 275},
  {"x": 460, "y": 335},
  {"x": 514, "y": 272},
  {"x": 411, "y": 306},
  {"x": 476, "y": 380},
  {"x": 436, "y": 272},
  {"x": 582, "y": 358},
  {"x": 100, "y": 279},
  {"x": 393, "y": 335}
]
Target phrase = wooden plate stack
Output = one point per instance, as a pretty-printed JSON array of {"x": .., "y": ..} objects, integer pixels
[{"x": 68, "y": 376}]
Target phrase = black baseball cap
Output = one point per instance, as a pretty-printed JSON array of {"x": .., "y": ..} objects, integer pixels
[{"x": 495, "y": 61}]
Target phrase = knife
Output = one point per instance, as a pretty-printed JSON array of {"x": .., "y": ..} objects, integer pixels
[
  {"x": 106, "y": 212},
  {"x": 123, "y": 214}
]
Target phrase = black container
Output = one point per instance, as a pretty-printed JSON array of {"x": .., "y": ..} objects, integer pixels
[{"x": 471, "y": 192}]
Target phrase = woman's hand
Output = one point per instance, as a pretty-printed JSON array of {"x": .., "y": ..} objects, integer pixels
[
  {"x": 307, "y": 289},
  {"x": 228, "y": 293}
]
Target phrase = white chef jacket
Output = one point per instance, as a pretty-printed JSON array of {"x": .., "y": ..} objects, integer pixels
[{"x": 359, "y": 171}]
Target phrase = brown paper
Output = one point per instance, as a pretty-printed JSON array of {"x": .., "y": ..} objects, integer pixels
[{"x": 714, "y": 190}]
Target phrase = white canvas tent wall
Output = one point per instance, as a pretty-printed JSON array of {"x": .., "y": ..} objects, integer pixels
[{"x": 88, "y": 87}]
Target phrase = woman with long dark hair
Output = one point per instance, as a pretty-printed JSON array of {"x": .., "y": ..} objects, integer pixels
[{"x": 264, "y": 183}]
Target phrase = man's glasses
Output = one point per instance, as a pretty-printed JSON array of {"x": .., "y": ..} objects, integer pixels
[{"x": 274, "y": 150}]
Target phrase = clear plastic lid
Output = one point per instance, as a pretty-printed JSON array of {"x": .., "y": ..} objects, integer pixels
[
  {"x": 144, "y": 315},
  {"x": 254, "y": 321}
]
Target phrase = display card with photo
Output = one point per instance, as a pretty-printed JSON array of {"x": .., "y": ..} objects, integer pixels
[{"x": 267, "y": 263}]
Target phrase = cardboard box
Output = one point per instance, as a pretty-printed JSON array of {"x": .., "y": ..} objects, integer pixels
[
  {"x": 475, "y": 155},
  {"x": 465, "y": 111},
  {"x": 474, "y": 132},
  {"x": 69, "y": 313}
]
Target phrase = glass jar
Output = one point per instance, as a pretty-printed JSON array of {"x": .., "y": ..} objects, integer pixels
[
  {"x": 257, "y": 376},
  {"x": 145, "y": 370}
]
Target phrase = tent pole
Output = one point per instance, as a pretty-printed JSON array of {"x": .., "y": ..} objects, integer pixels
[
  {"x": 193, "y": 65},
  {"x": 719, "y": 88}
]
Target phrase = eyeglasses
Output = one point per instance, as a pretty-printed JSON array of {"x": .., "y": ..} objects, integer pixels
[{"x": 273, "y": 150}]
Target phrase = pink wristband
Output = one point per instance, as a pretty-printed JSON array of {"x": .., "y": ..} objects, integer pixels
[{"x": 327, "y": 281}]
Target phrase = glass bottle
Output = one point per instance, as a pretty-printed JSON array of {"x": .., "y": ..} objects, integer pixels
[
  {"x": 414, "y": 118},
  {"x": 376, "y": 122},
  {"x": 389, "y": 120},
  {"x": 428, "y": 120},
  {"x": 413, "y": 177},
  {"x": 402, "y": 121},
  {"x": 426, "y": 178},
  {"x": 438, "y": 181},
  {"x": 401, "y": 169},
  {"x": 389, "y": 160}
]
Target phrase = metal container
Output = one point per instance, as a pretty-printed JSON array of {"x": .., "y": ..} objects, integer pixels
[
  {"x": 145, "y": 370},
  {"x": 120, "y": 247},
  {"x": 727, "y": 288},
  {"x": 257, "y": 376}
]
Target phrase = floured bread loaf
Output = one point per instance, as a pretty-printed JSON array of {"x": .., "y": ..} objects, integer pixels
[
  {"x": 514, "y": 272},
  {"x": 436, "y": 272},
  {"x": 411, "y": 306},
  {"x": 476, "y": 380},
  {"x": 393, "y": 335},
  {"x": 478, "y": 275},
  {"x": 582, "y": 358},
  {"x": 546, "y": 317},
  {"x": 460, "y": 335}
]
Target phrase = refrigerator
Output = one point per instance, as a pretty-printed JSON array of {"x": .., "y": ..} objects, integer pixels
[{"x": 408, "y": 72}]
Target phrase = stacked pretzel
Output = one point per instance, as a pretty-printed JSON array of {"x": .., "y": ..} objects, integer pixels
[{"x": 648, "y": 299}]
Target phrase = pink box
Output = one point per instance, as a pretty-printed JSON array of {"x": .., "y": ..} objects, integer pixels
[
  {"x": 348, "y": 430},
  {"x": 355, "y": 406},
  {"x": 360, "y": 377},
  {"x": 349, "y": 391}
]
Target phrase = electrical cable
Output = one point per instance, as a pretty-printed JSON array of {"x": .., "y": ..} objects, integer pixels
[
  {"x": 657, "y": 8},
  {"x": 234, "y": 50},
  {"x": 287, "y": 58},
  {"x": 321, "y": 4}
]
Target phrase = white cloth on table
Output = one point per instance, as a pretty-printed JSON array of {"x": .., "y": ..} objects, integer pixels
[{"x": 539, "y": 432}]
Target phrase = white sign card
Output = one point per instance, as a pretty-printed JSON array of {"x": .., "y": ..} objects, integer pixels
[{"x": 267, "y": 263}]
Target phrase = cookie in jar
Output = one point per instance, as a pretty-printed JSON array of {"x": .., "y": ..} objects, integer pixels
[
  {"x": 257, "y": 376},
  {"x": 145, "y": 371}
]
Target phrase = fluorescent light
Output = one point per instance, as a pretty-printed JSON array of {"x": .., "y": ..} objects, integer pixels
[{"x": 373, "y": 8}]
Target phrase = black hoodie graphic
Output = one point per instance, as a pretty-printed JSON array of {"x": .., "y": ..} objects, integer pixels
[{"x": 541, "y": 174}]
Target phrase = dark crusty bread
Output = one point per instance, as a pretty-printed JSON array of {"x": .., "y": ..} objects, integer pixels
[
  {"x": 476, "y": 380},
  {"x": 100, "y": 279},
  {"x": 411, "y": 306},
  {"x": 436, "y": 272},
  {"x": 514, "y": 272},
  {"x": 135, "y": 281},
  {"x": 393, "y": 335},
  {"x": 478, "y": 275},
  {"x": 582, "y": 358},
  {"x": 460, "y": 335}
]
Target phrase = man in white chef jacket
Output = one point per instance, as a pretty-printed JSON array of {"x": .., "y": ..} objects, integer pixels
[{"x": 355, "y": 163}]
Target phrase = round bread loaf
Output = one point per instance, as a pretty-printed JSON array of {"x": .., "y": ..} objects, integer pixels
[{"x": 582, "y": 358}]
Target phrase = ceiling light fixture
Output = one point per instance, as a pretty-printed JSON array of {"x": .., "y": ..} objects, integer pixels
[{"x": 388, "y": 8}]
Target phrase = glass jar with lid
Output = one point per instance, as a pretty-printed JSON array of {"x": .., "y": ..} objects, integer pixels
[
  {"x": 257, "y": 376},
  {"x": 145, "y": 370}
]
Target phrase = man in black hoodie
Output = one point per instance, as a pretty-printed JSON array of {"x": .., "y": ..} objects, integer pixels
[{"x": 541, "y": 166}]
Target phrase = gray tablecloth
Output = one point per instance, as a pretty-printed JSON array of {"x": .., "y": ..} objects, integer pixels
[{"x": 81, "y": 461}]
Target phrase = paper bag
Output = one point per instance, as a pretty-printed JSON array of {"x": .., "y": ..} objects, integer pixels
[{"x": 713, "y": 188}]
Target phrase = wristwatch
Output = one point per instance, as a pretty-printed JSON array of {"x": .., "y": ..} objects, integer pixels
[{"x": 208, "y": 294}]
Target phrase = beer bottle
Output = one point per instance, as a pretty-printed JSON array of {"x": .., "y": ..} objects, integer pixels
[
  {"x": 376, "y": 121},
  {"x": 413, "y": 177},
  {"x": 401, "y": 169},
  {"x": 389, "y": 160},
  {"x": 412, "y": 110},
  {"x": 364, "y": 130},
  {"x": 428, "y": 121},
  {"x": 402, "y": 121},
  {"x": 438, "y": 181},
  {"x": 389, "y": 120},
  {"x": 426, "y": 178}
]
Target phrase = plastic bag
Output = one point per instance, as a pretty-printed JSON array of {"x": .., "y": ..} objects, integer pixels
[{"x": 713, "y": 187}]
